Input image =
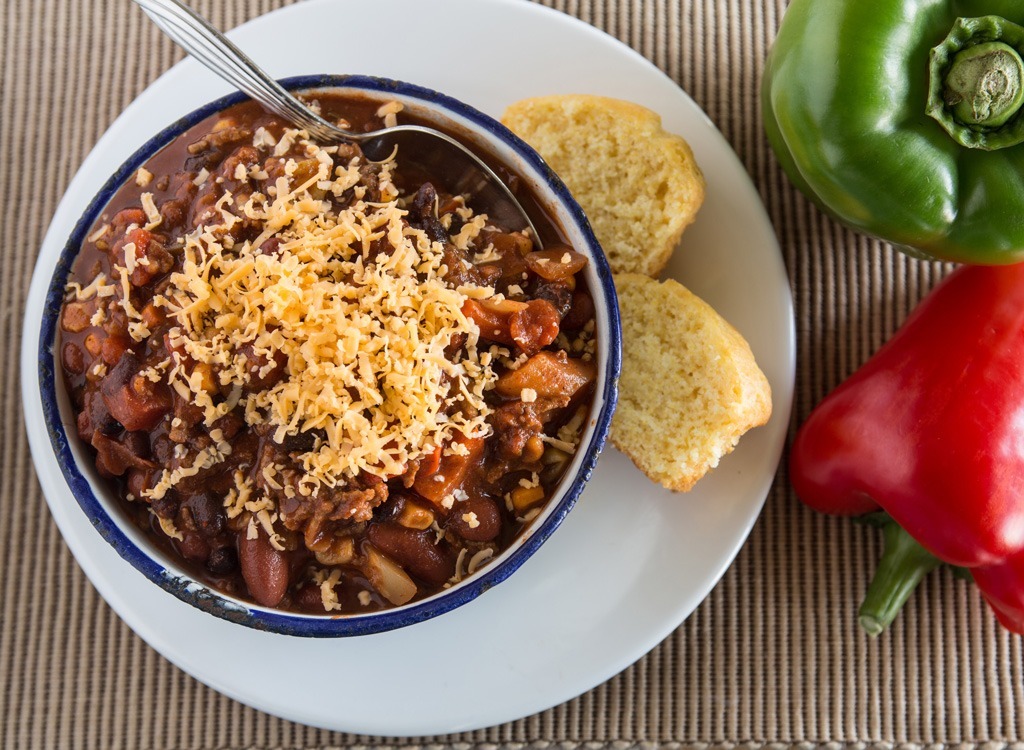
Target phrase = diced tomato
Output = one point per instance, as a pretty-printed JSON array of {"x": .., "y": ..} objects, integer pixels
[{"x": 451, "y": 471}]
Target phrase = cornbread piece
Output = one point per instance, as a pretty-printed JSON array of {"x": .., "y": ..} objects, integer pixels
[
  {"x": 689, "y": 386},
  {"x": 639, "y": 185}
]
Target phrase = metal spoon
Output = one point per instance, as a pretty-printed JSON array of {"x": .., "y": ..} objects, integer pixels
[{"x": 438, "y": 154}]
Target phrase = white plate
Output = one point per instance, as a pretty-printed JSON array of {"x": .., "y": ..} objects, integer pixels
[{"x": 630, "y": 562}]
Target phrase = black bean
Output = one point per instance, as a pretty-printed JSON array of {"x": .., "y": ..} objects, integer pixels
[
  {"x": 557, "y": 293},
  {"x": 222, "y": 560},
  {"x": 166, "y": 506},
  {"x": 207, "y": 513}
]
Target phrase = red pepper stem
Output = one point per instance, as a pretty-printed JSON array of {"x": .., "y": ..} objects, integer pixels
[{"x": 903, "y": 565}]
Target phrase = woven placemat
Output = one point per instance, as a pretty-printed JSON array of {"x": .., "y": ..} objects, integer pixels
[{"x": 773, "y": 657}]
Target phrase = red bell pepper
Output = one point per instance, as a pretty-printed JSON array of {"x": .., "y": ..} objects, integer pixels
[{"x": 931, "y": 430}]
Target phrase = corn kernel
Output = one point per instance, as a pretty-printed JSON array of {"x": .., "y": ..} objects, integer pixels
[{"x": 524, "y": 497}]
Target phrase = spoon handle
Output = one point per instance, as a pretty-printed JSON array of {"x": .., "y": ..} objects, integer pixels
[{"x": 195, "y": 35}]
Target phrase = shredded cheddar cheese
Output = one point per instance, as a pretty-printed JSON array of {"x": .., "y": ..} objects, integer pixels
[{"x": 352, "y": 304}]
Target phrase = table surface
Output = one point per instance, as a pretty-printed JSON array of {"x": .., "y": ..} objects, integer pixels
[{"x": 773, "y": 657}]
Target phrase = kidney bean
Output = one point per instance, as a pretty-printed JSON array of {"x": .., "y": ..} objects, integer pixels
[
  {"x": 73, "y": 358},
  {"x": 194, "y": 547},
  {"x": 413, "y": 550},
  {"x": 581, "y": 312},
  {"x": 271, "y": 246},
  {"x": 138, "y": 481},
  {"x": 476, "y": 519},
  {"x": 264, "y": 569},
  {"x": 263, "y": 372},
  {"x": 308, "y": 598}
]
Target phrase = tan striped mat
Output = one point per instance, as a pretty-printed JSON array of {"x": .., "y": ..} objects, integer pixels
[{"x": 773, "y": 657}]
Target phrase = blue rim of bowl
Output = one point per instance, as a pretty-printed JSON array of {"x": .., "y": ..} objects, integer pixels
[{"x": 193, "y": 592}]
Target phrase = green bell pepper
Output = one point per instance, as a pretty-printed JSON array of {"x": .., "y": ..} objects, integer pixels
[{"x": 903, "y": 119}]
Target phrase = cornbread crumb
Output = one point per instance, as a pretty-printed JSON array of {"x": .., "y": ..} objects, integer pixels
[
  {"x": 639, "y": 185},
  {"x": 689, "y": 386}
]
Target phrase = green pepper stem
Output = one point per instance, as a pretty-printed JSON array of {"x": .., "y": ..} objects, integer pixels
[
  {"x": 976, "y": 83},
  {"x": 985, "y": 84},
  {"x": 903, "y": 565}
]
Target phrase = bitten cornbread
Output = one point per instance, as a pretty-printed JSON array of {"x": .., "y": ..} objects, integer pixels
[{"x": 638, "y": 184}]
